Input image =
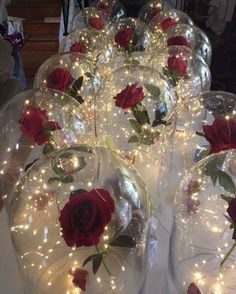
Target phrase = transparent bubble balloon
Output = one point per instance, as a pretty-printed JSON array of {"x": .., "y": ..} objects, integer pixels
[
  {"x": 196, "y": 38},
  {"x": 21, "y": 148},
  {"x": 137, "y": 36},
  {"x": 114, "y": 8},
  {"x": 149, "y": 10},
  {"x": 202, "y": 246},
  {"x": 92, "y": 18},
  {"x": 131, "y": 41},
  {"x": 96, "y": 47},
  {"x": 131, "y": 112},
  {"x": 166, "y": 20},
  {"x": 104, "y": 201},
  {"x": 71, "y": 73},
  {"x": 186, "y": 71},
  {"x": 196, "y": 119}
]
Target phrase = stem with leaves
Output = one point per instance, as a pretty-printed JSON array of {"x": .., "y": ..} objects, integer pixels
[
  {"x": 103, "y": 262},
  {"x": 228, "y": 255}
]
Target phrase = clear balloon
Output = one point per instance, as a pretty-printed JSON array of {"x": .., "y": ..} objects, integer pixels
[
  {"x": 186, "y": 71},
  {"x": 165, "y": 20},
  {"x": 96, "y": 47},
  {"x": 114, "y": 8},
  {"x": 71, "y": 73},
  {"x": 196, "y": 39},
  {"x": 191, "y": 140},
  {"x": 130, "y": 35},
  {"x": 21, "y": 148},
  {"x": 132, "y": 110},
  {"x": 202, "y": 257},
  {"x": 131, "y": 41},
  {"x": 95, "y": 189},
  {"x": 92, "y": 18},
  {"x": 149, "y": 10}
]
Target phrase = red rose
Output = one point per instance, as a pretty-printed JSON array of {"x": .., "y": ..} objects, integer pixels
[
  {"x": 193, "y": 289},
  {"x": 153, "y": 12},
  {"x": 35, "y": 124},
  {"x": 96, "y": 22},
  {"x": 130, "y": 96},
  {"x": 178, "y": 40},
  {"x": 167, "y": 23},
  {"x": 123, "y": 37},
  {"x": 221, "y": 134},
  {"x": 231, "y": 210},
  {"x": 79, "y": 278},
  {"x": 177, "y": 64},
  {"x": 84, "y": 218},
  {"x": 59, "y": 79},
  {"x": 78, "y": 47}
]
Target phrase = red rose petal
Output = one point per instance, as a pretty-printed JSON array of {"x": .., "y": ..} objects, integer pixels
[
  {"x": 84, "y": 217},
  {"x": 96, "y": 22},
  {"x": 129, "y": 97},
  {"x": 123, "y": 37}
]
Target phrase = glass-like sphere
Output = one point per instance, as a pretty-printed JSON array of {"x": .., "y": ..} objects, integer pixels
[
  {"x": 166, "y": 20},
  {"x": 114, "y": 8},
  {"x": 131, "y": 112},
  {"x": 130, "y": 35},
  {"x": 149, "y": 10},
  {"x": 92, "y": 18},
  {"x": 186, "y": 71},
  {"x": 19, "y": 149},
  {"x": 103, "y": 182},
  {"x": 189, "y": 144},
  {"x": 71, "y": 73},
  {"x": 196, "y": 38},
  {"x": 96, "y": 47},
  {"x": 202, "y": 256}
]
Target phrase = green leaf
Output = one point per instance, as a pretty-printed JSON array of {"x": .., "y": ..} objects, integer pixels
[
  {"x": 133, "y": 139},
  {"x": 226, "y": 181},
  {"x": 123, "y": 241},
  {"x": 47, "y": 148},
  {"x": 153, "y": 90},
  {"x": 88, "y": 75},
  {"x": 135, "y": 125},
  {"x": 96, "y": 263},
  {"x": 141, "y": 116},
  {"x": 78, "y": 84},
  {"x": 212, "y": 167},
  {"x": 228, "y": 199},
  {"x": 77, "y": 192},
  {"x": 30, "y": 164},
  {"x": 53, "y": 179},
  {"x": 234, "y": 234},
  {"x": 200, "y": 134},
  {"x": 204, "y": 153},
  {"x": 67, "y": 179},
  {"x": 148, "y": 137},
  {"x": 79, "y": 99},
  {"x": 91, "y": 257}
]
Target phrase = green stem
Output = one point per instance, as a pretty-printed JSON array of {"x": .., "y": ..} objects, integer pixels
[
  {"x": 228, "y": 254},
  {"x": 138, "y": 145},
  {"x": 103, "y": 262}
]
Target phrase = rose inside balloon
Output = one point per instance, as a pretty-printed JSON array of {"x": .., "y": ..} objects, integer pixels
[
  {"x": 35, "y": 124},
  {"x": 84, "y": 219},
  {"x": 175, "y": 70},
  {"x": 131, "y": 98},
  {"x": 61, "y": 79}
]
